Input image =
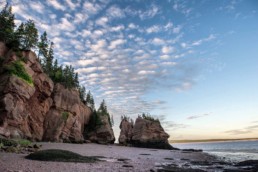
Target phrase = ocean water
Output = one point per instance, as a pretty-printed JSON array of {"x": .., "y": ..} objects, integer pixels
[{"x": 233, "y": 151}]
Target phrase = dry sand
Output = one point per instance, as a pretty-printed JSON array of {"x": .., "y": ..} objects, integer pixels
[{"x": 140, "y": 159}]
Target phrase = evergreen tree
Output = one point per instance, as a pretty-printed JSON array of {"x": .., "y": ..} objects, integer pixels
[
  {"x": 7, "y": 26},
  {"x": 82, "y": 92},
  {"x": 90, "y": 100},
  {"x": 112, "y": 121},
  {"x": 49, "y": 61},
  {"x": 103, "y": 108},
  {"x": 43, "y": 45},
  {"x": 28, "y": 35}
]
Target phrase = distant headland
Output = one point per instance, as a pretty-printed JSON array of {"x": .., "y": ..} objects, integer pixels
[{"x": 211, "y": 140}]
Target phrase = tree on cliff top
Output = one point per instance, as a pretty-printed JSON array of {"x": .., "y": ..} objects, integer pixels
[
  {"x": 90, "y": 101},
  {"x": 28, "y": 35},
  {"x": 7, "y": 25},
  {"x": 103, "y": 111}
]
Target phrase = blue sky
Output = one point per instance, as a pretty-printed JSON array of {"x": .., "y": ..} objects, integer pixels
[{"x": 193, "y": 64}]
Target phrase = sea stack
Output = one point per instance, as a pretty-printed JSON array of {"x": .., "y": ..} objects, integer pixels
[{"x": 144, "y": 133}]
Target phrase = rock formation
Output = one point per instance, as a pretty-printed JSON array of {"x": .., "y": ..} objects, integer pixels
[
  {"x": 145, "y": 133},
  {"x": 101, "y": 133},
  {"x": 40, "y": 110},
  {"x": 126, "y": 132}
]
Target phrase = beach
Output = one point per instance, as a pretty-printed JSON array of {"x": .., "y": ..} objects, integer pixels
[{"x": 117, "y": 158}]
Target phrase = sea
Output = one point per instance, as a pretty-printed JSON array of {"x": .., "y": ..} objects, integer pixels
[{"x": 232, "y": 151}]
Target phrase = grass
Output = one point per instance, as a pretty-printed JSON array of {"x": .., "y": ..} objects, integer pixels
[
  {"x": 8, "y": 142},
  {"x": 58, "y": 155},
  {"x": 23, "y": 142},
  {"x": 16, "y": 68},
  {"x": 65, "y": 115}
]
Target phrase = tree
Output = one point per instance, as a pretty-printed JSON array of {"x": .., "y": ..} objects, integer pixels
[
  {"x": 90, "y": 100},
  {"x": 49, "y": 61},
  {"x": 7, "y": 26},
  {"x": 112, "y": 121},
  {"x": 103, "y": 108},
  {"x": 82, "y": 93},
  {"x": 28, "y": 35},
  {"x": 43, "y": 45}
]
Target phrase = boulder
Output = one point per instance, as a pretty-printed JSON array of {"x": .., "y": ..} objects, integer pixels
[
  {"x": 126, "y": 132},
  {"x": 149, "y": 134}
]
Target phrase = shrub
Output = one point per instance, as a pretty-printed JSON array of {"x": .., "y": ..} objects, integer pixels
[
  {"x": 23, "y": 142},
  {"x": 149, "y": 117},
  {"x": 65, "y": 115},
  {"x": 16, "y": 68}
]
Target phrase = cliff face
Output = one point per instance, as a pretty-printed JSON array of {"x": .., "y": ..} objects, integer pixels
[
  {"x": 145, "y": 133},
  {"x": 39, "y": 110}
]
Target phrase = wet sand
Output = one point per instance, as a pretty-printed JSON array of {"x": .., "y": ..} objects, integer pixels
[{"x": 117, "y": 158}]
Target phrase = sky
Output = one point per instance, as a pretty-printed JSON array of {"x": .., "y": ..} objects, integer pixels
[{"x": 192, "y": 64}]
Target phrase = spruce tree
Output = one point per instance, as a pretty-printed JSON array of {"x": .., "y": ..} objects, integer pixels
[
  {"x": 43, "y": 45},
  {"x": 28, "y": 36},
  {"x": 7, "y": 26}
]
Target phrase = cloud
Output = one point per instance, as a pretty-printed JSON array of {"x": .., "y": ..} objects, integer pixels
[
  {"x": 153, "y": 29},
  {"x": 246, "y": 130},
  {"x": 197, "y": 116},
  {"x": 91, "y": 8},
  {"x": 37, "y": 6},
  {"x": 56, "y": 4},
  {"x": 115, "y": 12},
  {"x": 149, "y": 13},
  {"x": 71, "y": 4},
  {"x": 167, "y": 49},
  {"x": 158, "y": 41},
  {"x": 102, "y": 21},
  {"x": 116, "y": 43}
]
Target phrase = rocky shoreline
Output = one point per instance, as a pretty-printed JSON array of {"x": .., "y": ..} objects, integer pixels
[{"x": 122, "y": 158}]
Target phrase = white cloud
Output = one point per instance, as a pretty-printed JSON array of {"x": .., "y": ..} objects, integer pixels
[
  {"x": 115, "y": 12},
  {"x": 149, "y": 13},
  {"x": 117, "y": 28},
  {"x": 91, "y": 8},
  {"x": 55, "y": 4},
  {"x": 167, "y": 49},
  {"x": 116, "y": 43},
  {"x": 132, "y": 26},
  {"x": 80, "y": 18},
  {"x": 66, "y": 25},
  {"x": 71, "y": 4},
  {"x": 37, "y": 6},
  {"x": 146, "y": 72},
  {"x": 102, "y": 21},
  {"x": 153, "y": 29},
  {"x": 177, "y": 29},
  {"x": 164, "y": 57},
  {"x": 158, "y": 41}
]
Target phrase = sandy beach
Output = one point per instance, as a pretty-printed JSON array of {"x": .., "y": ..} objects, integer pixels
[{"x": 117, "y": 158}]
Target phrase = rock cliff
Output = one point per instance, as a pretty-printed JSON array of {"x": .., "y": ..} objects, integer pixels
[
  {"x": 145, "y": 133},
  {"x": 33, "y": 107}
]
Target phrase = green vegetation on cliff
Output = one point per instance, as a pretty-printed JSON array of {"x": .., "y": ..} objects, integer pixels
[
  {"x": 149, "y": 117},
  {"x": 16, "y": 68}
]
